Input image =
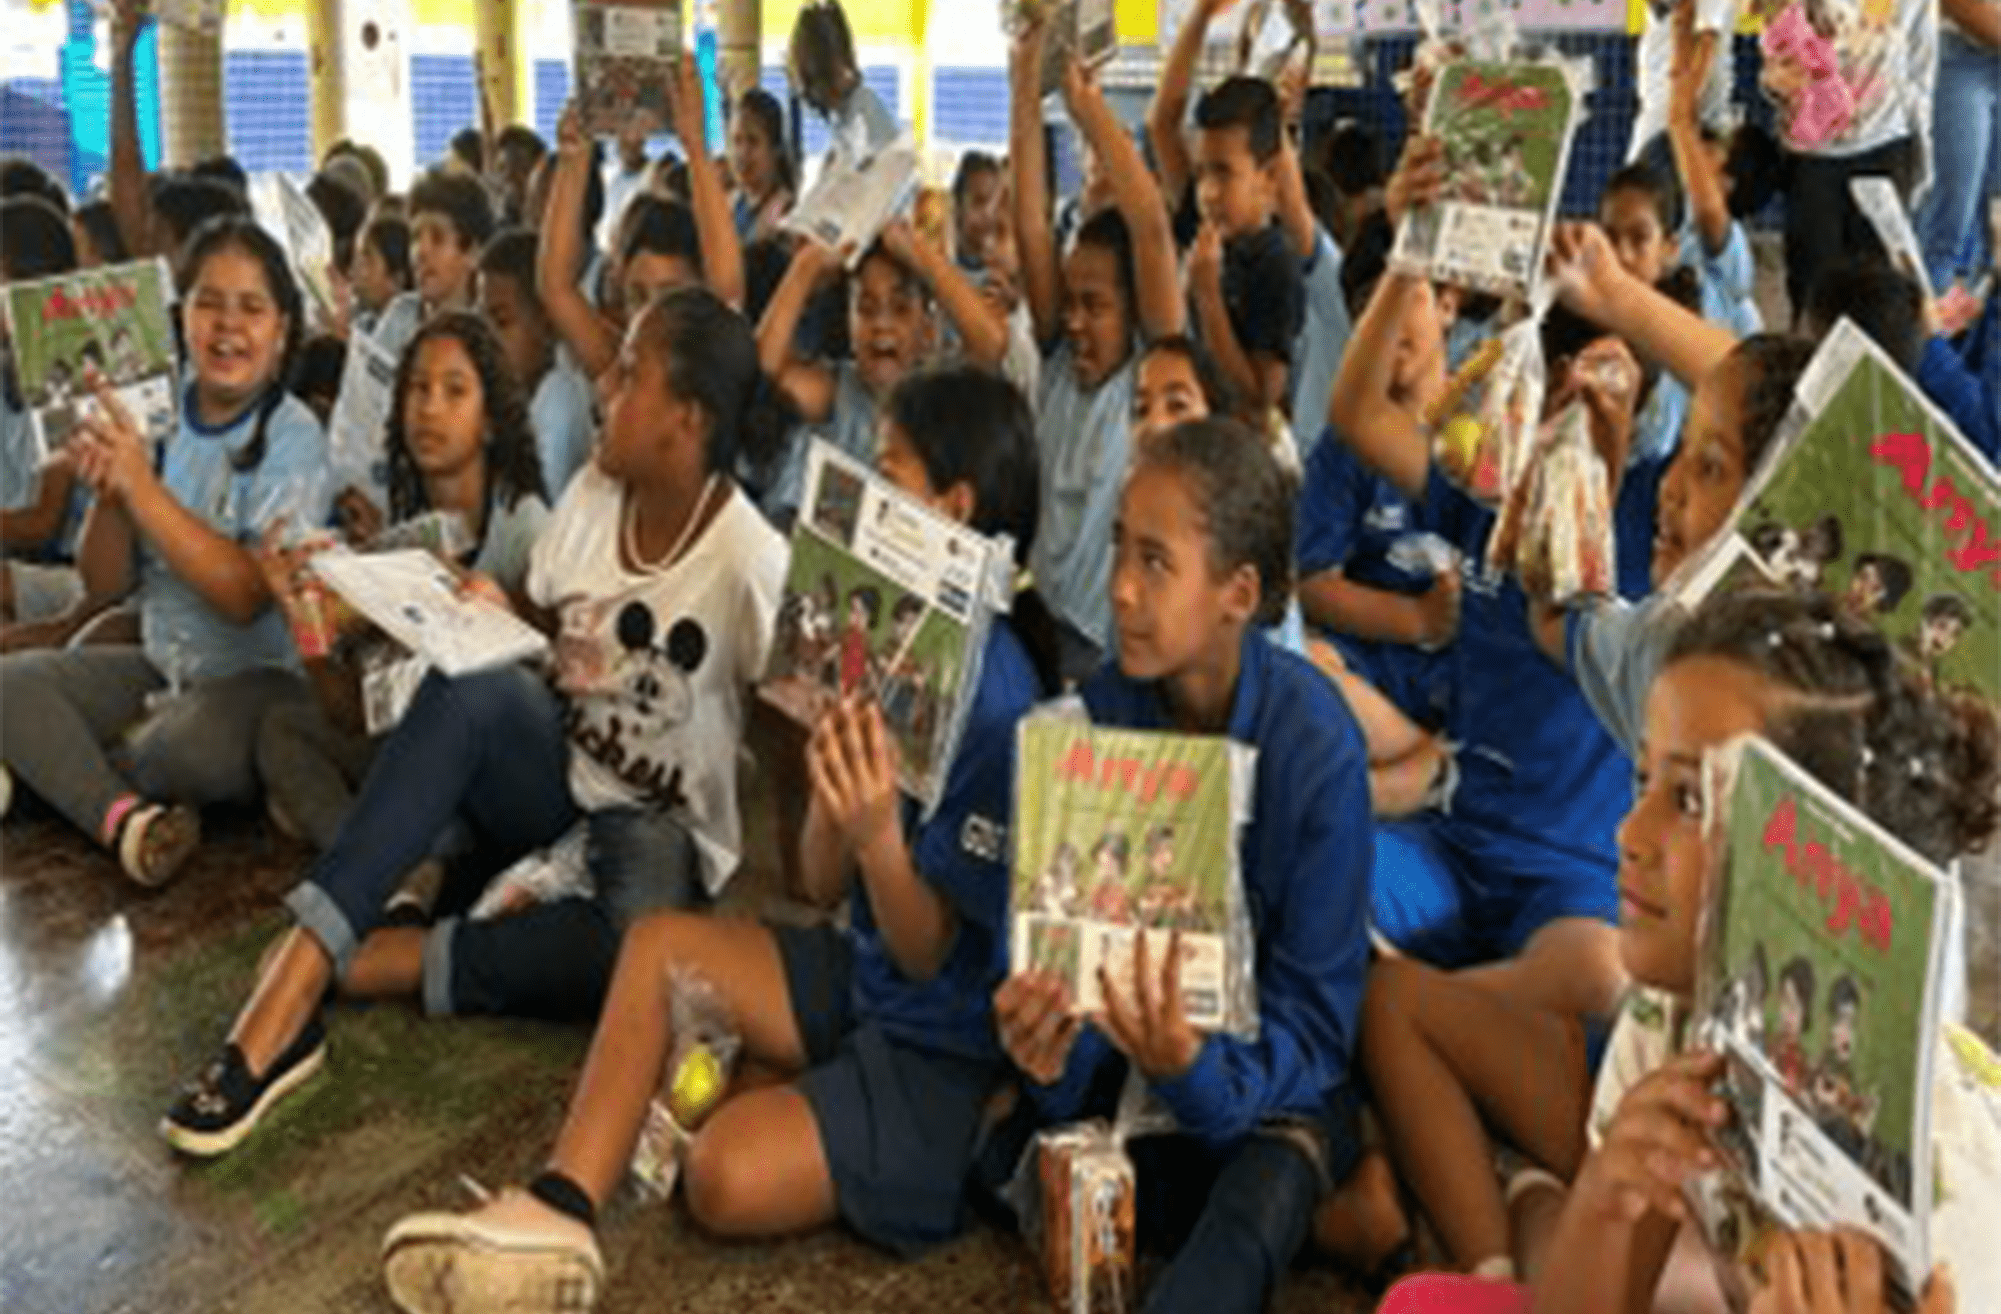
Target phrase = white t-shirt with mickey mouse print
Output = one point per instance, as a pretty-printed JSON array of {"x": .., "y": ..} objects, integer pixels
[{"x": 655, "y": 668}]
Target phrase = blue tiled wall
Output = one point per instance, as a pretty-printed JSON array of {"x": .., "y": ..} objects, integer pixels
[
  {"x": 268, "y": 107},
  {"x": 969, "y": 105},
  {"x": 552, "y": 89},
  {"x": 443, "y": 99},
  {"x": 33, "y": 123}
]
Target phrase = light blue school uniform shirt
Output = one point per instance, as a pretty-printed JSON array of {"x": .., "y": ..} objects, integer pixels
[
  {"x": 20, "y": 458},
  {"x": 560, "y": 413},
  {"x": 184, "y": 637},
  {"x": 861, "y": 125},
  {"x": 399, "y": 322},
  {"x": 850, "y": 426},
  {"x": 1083, "y": 437},
  {"x": 1323, "y": 337}
]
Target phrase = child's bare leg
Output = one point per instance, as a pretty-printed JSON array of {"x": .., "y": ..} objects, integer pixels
[
  {"x": 1403, "y": 757},
  {"x": 1363, "y": 1222},
  {"x": 389, "y": 964},
  {"x": 758, "y": 1168},
  {"x": 1441, "y": 1055},
  {"x": 1571, "y": 966},
  {"x": 622, "y": 1073},
  {"x": 289, "y": 985}
]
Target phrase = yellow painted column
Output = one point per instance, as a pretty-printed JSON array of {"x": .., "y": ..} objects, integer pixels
[
  {"x": 739, "y": 45},
  {"x": 327, "y": 72},
  {"x": 496, "y": 31},
  {"x": 191, "y": 118},
  {"x": 919, "y": 102}
]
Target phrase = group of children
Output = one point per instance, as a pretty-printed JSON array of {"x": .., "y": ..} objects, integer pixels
[{"x": 1198, "y": 400}]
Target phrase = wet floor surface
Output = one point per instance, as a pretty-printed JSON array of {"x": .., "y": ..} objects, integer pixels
[{"x": 110, "y": 996}]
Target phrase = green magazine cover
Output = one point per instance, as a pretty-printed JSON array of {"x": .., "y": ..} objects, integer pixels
[
  {"x": 886, "y": 600},
  {"x": 1820, "y": 967},
  {"x": 1870, "y": 494},
  {"x": 113, "y": 320},
  {"x": 1507, "y": 129},
  {"x": 1118, "y": 831}
]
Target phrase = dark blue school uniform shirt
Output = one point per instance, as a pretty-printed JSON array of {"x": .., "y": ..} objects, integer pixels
[
  {"x": 961, "y": 850},
  {"x": 1351, "y": 517},
  {"x": 1305, "y": 857}
]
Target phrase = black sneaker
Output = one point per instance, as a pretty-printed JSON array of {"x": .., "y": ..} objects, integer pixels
[{"x": 221, "y": 1106}]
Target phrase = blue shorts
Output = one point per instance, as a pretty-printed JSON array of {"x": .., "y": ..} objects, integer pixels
[
  {"x": 1418, "y": 682},
  {"x": 1454, "y": 894},
  {"x": 898, "y": 1124}
]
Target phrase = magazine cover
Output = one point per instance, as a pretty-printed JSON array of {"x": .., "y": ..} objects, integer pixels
[
  {"x": 852, "y": 200},
  {"x": 1507, "y": 129},
  {"x": 415, "y": 598},
  {"x": 358, "y": 428},
  {"x": 625, "y": 55},
  {"x": 1870, "y": 494},
  {"x": 1084, "y": 29},
  {"x": 1819, "y": 969},
  {"x": 888, "y": 600},
  {"x": 114, "y": 320},
  {"x": 288, "y": 214},
  {"x": 1121, "y": 830}
]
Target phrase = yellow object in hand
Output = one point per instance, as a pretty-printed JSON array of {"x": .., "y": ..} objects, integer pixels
[
  {"x": 697, "y": 1087},
  {"x": 1461, "y": 442}
]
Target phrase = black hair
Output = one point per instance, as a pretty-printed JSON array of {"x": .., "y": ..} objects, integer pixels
[
  {"x": 390, "y": 237},
  {"x": 1770, "y": 365},
  {"x": 1884, "y": 301},
  {"x": 35, "y": 240},
  {"x": 1892, "y": 572},
  {"x": 470, "y": 147},
  {"x": 344, "y": 212},
  {"x": 369, "y": 158},
  {"x": 1798, "y": 973},
  {"x": 1352, "y": 158},
  {"x": 1844, "y": 993},
  {"x": 765, "y": 260},
  {"x": 321, "y": 362},
  {"x": 1322, "y": 197},
  {"x": 1660, "y": 189},
  {"x": 511, "y": 253},
  {"x": 1947, "y": 606},
  {"x": 658, "y": 225},
  {"x": 871, "y": 599},
  {"x": 223, "y": 169},
  {"x": 185, "y": 202},
  {"x": 1244, "y": 498},
  {"x": 1923, "y": 763},
  {"x": 1107, "y": 231},
  {"x": 762, "y": 106},
  {"x": 1247, "y": 103},
  {"x": 1758, "y": 170},
  {"x": 1218, "y": 394},
  {"x": 972, "y": 164},
  {"x": 461, "y": 198},
  {"x": 513, "y": 468},
  {"x": 822, "y": 51},
  {"x": 520, "y": 139},
  {"x": 971, "y": 426},
  {"x": 241, "y": 233},
  {"x": 674, "y": 181},
  {"x": 711, "y": 358},
  {"x": 100, "y": 222},
  {"x": 1367, "y": 257},
  {"x": 909, "y": 278},
  {"x": 907, "y": 606},
  {"x": 21, "y": 176},
  {"x": 1115, "y": 843}
]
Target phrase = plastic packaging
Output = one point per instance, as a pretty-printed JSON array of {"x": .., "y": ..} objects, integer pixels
[
  {"x": 1088, "y": 1246},
  {"x": 1483, "y": 426},
  {"x": 1566, "y": 548},
  {"x": 696, "y": 1078}
]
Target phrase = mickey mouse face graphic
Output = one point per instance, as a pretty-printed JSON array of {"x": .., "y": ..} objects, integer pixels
[{"x": 652, "y": 690}]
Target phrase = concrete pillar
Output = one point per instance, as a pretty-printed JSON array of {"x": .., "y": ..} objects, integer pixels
[
  {"x": 191, "y": 118},
  {"x": 739, "y": 46},
  {"x": 326, "y": 21},
  {"x": 497, "y": 33}
]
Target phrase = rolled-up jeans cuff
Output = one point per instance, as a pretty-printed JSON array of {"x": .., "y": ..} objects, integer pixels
[
  {"x": 321, "y": 918},
  {"x": 438, "y": 968}
]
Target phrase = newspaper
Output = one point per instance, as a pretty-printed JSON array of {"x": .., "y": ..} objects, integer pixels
[
  {"x": 1820, "y": 966},
  {"x": 1120, "y": 831},
  {"x": 415, "y": 599},
  {"x": 853, "y": 199},
  {"x": 288, "y": 214},
  {"x": 114, "y": 320},
  {"x": 1507, "y": 129},
  {"x": 887, "y": 600},
  {"x": 1869, "y": 492},
  {"x": 624, "y": 61},
  {"x": 357, "y": 431}
]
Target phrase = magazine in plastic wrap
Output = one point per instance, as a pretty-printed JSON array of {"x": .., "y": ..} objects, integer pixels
[
  {"x": 357, "y": 431},
  {"x": 1086, "y": 30},
  {"x": 853, "y": 199},
  {"x": 288, "y": 214},
  {"x": 113, "y": 320},
  {"x": 624, "y": 61},
  {"x": 886, "y": 600},
  {"x": 415, "y": 599},
  {"x": 1119, "y": 831}
]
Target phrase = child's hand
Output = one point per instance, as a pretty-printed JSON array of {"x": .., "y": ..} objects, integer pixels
[
  {"x": 1657, "y": 1140},
  {"x": 852, "y": 762},
  {"x": 1419, "y": 176},
  {"x": 903, "y": 242},
  {"x": 1836, "y": 1273},
  {"x": 688, "y": 109},
  {"x": 1607, "y": 379},
  {"x": 360, "y": 519},
  {"x": 572, "y": 142},
  {"x": 1587, "y": 271},
  {"x": 112, "y": 457},
  {"x": 1688, "y": 70},
  {"x": 1081, "y": 95},
  {"x": 1152, "y": 1030},
  {"x": 1205, "y": 257},
  {"x": 1036, "y": 1026},
  {"x": 1439, "y": 606},
  {"x": 1291, "y": 88}
]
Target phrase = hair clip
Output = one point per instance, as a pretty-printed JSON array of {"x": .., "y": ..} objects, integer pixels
[
  {"x": 1917, "y": 767},
  {"x": 1825, "y": 630},
  {"x": 1775, "y": 639}
]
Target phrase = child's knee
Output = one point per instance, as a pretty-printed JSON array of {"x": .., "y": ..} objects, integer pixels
[
  {"x": 719, "y": 1179},
  {"x": 1389, "y": 996}
]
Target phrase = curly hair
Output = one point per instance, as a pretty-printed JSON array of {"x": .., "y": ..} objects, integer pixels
[
  {"x": 1245, "y": 500},
  {"x": 1772, "y": 364},
  {"x": 1925, "y": 763},
  {"x": 513, "y": 468}
]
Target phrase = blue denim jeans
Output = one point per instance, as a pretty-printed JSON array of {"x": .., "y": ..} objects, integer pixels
[
  {"x": 487, "y": 752},
  {"x": 1966, "y": 158}
]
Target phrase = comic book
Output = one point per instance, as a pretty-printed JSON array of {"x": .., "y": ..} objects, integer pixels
[
  {"x": 853, "y": 199},
  {"x": 624, "y": 60},
  {"x": 1084, "y": 29},
  {"x": 888, "y": 600},
  {"x": 1819, "y": 970},
  {"x": 1870, "y": 494},
  {"x": 1118, "y": 831},
  {"x": 1507, "y": 129},
  {"x": 288, "y": 214},
  {"x": 113, "y": 320}
]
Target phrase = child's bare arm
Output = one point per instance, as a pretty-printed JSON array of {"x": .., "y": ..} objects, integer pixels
[
  {"x": 807, "y": 386},
  {"x": 575, "y": 320},
  {"x": 1212, "y": 318},
  {"x": 1384, "y": 433},
  {"x": 131, "y": 207},
  {"x": 1169, "y": 110},
  {"x": 722, "y": 252},
  {"x": 1042, "y": 281},
  {"x": 1592, "y": 283},
  {"x": 982, "y": 328},
  {"x": 1157, "y": 291},
  {"x": 1331, "y": 599},
  {"x": 1693, "y": 53}
]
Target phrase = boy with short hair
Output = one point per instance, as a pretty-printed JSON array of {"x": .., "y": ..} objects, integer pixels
[
  {"x": 451, "y": 218},
  {"x": 559, "y": 406}
]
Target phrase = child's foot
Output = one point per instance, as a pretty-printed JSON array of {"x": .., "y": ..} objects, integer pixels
[
  {"x": 514, "y": 1255},
  {"x": 155, "y": 839},
  {"x": 224, "y": 1104},
  {"x": 1364, "y": 1224}
]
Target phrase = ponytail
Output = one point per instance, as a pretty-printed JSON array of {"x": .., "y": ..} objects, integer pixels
[{"x": 241, "y": 233}]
